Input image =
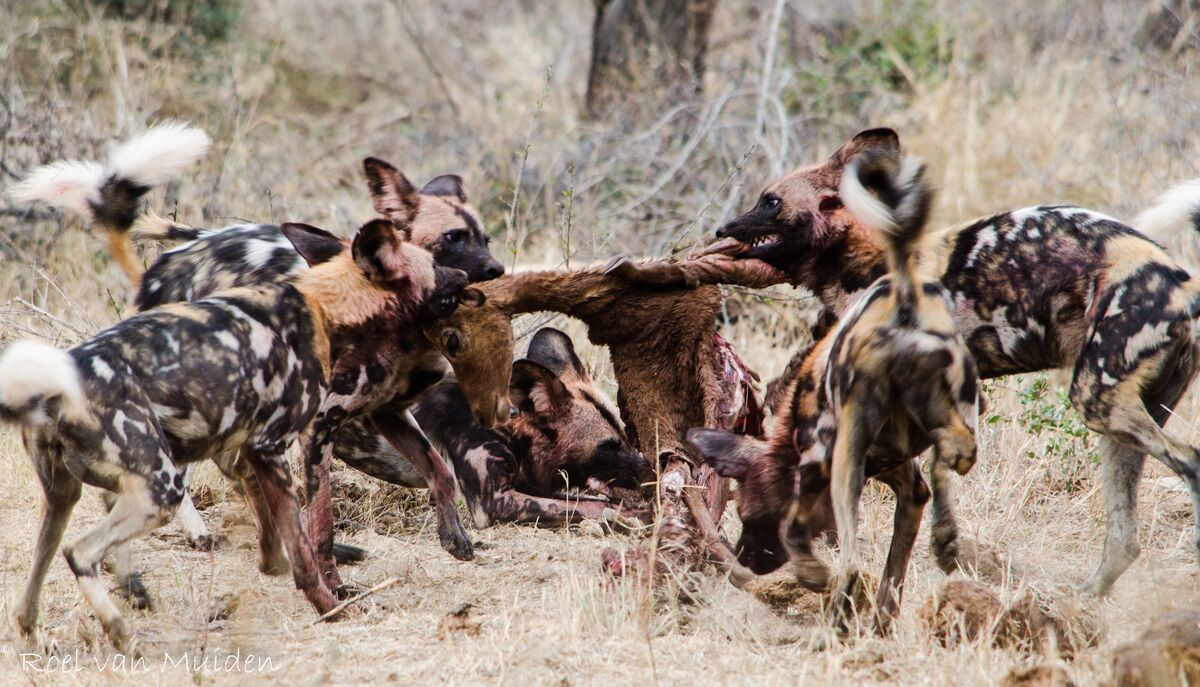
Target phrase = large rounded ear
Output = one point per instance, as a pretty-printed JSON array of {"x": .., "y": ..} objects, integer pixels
[
  {"x": 472, "y": 298},
  {"x": 393, "y": 194},
  {"x": 554, "y": 350},
  {"x": 377, "y": 250},
  {"x": 884, "y": 141},
  {"x": 446, "y": 185},
  {"x": 535, "y": 389},
  {"x": 729, "y": 454},
  {"x": 314, "y": 245}
]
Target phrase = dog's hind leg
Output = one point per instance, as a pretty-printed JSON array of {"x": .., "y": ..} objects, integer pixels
[
  {"x": 1120, "y": 471},
  {"x": 120, "y": 563},
  {"x": 61, "y": 490},
  {"x": 911, "y": 496},
  {"x": 856, "y": 430},
  {"x": 1127, "y": 401},
  {"x": 271, "y": 559},
  {"x": 136, "y": 512}
]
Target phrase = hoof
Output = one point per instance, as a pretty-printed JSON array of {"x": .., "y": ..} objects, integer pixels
[{"x": 345, "y": 554}]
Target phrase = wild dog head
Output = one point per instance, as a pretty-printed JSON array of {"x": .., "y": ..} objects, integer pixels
[
  {"x": 563, "y": 419},
  {"x": 801, "y": 215},
  {"x": 383, "y": 258},
  {"x": 438, "y": 218}
]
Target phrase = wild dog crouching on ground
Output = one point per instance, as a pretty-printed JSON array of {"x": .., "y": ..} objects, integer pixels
[
  {"x": 564, "y": 435},
  {"x": 672, "y": 368},
  {"x": 245, "y": 370},
  {"x": 1045, "y": 287},
  {"x": 891, "y": 379}
]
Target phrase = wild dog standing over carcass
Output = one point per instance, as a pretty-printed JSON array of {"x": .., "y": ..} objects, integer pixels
[
  {"x": 437, "y": 217},
  {"x": 672, "y": 368},
  {"x": 891, "y": 379},
  {"x": 245, "y": 370},
  {"x": 1040, "y": 288},
  {"x": 564, "y": 434}
]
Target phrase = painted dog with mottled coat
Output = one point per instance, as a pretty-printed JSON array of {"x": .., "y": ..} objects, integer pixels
[
  {"x": 1040, "y": 288},
  {"x": 890, "y": 380},
  {"x": 245, "y": 370},
  {"x": 261, "y": 254},
  {"x": 564, "y": 434}
]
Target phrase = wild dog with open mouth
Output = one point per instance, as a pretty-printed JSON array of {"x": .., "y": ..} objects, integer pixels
[
  {"x": 245, "y": 370},
  {"x": 1040, "y": 288},
  {"x": 564, "y": 434},
  {"x": 436, "y": 217},
  {"x": 891, "y": 379}
]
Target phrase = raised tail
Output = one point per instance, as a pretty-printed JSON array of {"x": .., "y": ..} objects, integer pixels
[
  {"x": 108, "y": 195},
  {"x": 1173, "y": 221},
  {"x": 892, "y": 195},
  {"x": 151, "y": 226},
  {"x": 39, "y": 384}
]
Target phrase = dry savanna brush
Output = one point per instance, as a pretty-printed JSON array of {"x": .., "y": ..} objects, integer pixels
[{"x": 739, "y": 342}]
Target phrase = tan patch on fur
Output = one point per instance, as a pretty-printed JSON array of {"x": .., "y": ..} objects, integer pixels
[
  {"x": 1128, "y": 254},
  {"x": 121, "y": 249},
  {"x": 342, "y": 292}
]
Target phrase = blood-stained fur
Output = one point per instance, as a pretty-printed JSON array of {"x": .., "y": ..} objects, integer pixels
[
  {"x": 564, "y": 435},
  {"x": 1039, "y": 288},
  {"x": 672, "y": 368},
  {"x": 892, "y": 378},
  {"x": 245, "y": 370}
]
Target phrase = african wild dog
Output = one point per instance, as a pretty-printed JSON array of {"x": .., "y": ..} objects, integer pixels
[
  {"x": 437, "y": 217},
  {"x": 564, "y": 434},
  {"x": 245, "y": 370},
  {"x": 891, "y": 379},
  {"x": 1040, "y": 288}
]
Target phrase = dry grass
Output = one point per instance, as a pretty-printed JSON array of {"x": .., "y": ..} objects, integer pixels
[{"x": 1032, "y": 102}]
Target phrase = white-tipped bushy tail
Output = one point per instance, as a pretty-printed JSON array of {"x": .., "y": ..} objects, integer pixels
[
  {"x": 155, "y": 157},
  {"x": 1174, "y": 222},
  {"x": 892, "y": 195},
  {"x": 108, "y": 195},
  {"x": 32, "y": 373}
]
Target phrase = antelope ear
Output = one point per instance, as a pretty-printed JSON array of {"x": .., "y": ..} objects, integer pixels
[
  {"x": 729, "y": 454},
  {"x": 884, "y": 141},
  {"x": 377, "y": 250},
  {"x": 446, "y": 185},
  {"x": 314, "y": 245},
  {"x": 472, "y": 298},
  {"x": 393, "y": 194},
  {"x": 535, "y": 389},
  {"x": 554, "y": 350}
]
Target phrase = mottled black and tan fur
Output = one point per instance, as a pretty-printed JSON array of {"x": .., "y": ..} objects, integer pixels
[
  {"x": 891, "y": 379},
  {"x": 244, "y": 371},
  {"x": 1045, "y": 287}
]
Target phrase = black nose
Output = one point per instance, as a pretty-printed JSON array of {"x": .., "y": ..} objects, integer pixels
[
  {"x": 493, "y": 270},
  {"x": 721, "y": 233}
]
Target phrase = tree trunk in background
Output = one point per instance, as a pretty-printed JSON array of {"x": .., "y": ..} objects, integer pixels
[{"x": 646, "y": 54}]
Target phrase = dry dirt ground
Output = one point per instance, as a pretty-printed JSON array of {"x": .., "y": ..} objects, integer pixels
[{"x": 1016, "y": 104}]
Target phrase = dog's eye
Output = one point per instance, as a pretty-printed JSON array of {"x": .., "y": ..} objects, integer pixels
[
  {"x": 830, "y": 204},
  {"x": 455, "y": 235},
  {"x": 770, "y": 202}
]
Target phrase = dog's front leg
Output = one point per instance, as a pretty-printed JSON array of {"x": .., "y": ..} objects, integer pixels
[
  {"x": 318, "y": 454},
  {"x": 402, "y": 431},
  {"x": 275, "y": 480}
]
